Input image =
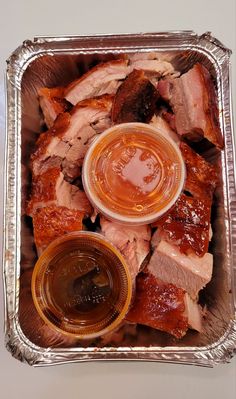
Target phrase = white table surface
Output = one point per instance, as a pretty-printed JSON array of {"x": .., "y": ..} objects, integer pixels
[{"x": 20, "y": 20}]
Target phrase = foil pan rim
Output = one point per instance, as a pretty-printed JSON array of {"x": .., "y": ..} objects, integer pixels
[
  {"x": 22, "y": 349},
  {"x": 17, "y": 344}
]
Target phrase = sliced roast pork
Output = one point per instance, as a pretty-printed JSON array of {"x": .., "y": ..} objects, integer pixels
[
  {"x": 52, "y": 222},
  {"x": 187, "y": 225},
  {"x": 65, "y": 144},
  {"x": 52, "y": 103},
  {"x": 202, "y": 178},
  {"x": 189, "y": 272},
  {"x": 152, "y": 62},
  {"x": 154, "y": 68},
  {"x": 193, "y": 100},
  {"x": 50, "y": 188},
  {"x": 105, "y": 78},
  {"x": 102, "y": 79},
  {"x": 161, "y": 125},
  {"x": 135, "y": 99},
  {"x": 132, "y": 242},
  {"x": 163, "y": 306}
]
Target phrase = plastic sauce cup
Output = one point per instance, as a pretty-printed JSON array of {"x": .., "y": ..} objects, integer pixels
[
  {"x": 81, "y": 285},
  {"x": 133, "y": 173}
]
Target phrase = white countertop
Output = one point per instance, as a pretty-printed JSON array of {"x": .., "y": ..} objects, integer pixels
[{"x": 20, "y": 20}]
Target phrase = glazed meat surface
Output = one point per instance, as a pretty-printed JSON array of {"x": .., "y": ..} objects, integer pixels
[
  {"x": 52, "y": 222},
  {"x": 159, "y": 305},
  {"x": 201, "y": 179},
  {"x": 135, "y": 99},
  {"x": 50, "y": 188},
  {"x": 187, "y": 225}
]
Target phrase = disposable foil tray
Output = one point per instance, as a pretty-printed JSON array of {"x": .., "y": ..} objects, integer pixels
[{"x": 53, "y": 61}]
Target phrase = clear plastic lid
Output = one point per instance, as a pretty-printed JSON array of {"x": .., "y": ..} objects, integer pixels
[
  {"x": 133, "y": 173},
  {"x": 81, "y": 285}
]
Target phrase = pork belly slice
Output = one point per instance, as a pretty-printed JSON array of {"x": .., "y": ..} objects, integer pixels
[
  {"x": 160, "y": 124},
  {"x": 157, "y": 67},
  {"x": 132, "y": 242},
  {"x": 31, "y": 323},
  {"x": 159, "y": 305},
  {"x": 50, "y": 188},
  {"x": 104, "y": 78},
  {"x": 135, "y": 99},
  {"x": 68, "y": 139},
  {"x": 187, "y": 225},
  {"x": 152, "y": 62},
  {"x": 150, "y": 55},
  {"x": 202, "y": 177},
  {"x": 193, "y": 100},
  {"x": 189, "y": 272},
  {"x": 52, "y": 103},
  {"x": 52, "y": 222}
]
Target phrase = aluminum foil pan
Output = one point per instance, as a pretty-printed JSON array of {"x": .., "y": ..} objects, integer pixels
[{"x": 51, "y": 61}]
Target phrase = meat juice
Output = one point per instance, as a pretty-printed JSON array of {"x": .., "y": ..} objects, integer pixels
[
  {"x": 81, "y": 286},
  {"x": 133, "y": 173}
]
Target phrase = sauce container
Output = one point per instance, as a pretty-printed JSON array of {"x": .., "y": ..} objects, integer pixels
[
  {"x": 133, "y": 173},
  {"x": 81, "y": 285}
]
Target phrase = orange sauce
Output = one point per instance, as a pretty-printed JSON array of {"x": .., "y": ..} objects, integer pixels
[{"x": 134, "y": 173}]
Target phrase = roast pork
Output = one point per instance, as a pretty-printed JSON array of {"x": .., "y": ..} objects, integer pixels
[
  {"x": 193, "y": 100},
  {"x": 189, "y": 272},
  {"x": 133, "y": 242},
  {"x": 163, "y": 306}
]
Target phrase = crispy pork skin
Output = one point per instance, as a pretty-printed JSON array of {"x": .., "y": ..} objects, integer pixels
[
  {"x": 52, "y": 103},
  {"x": 189, "y": 272},
  {"x": 132, "y": 242},
  {"x": 201, "y": 179},
  {"x": 102, "y": 79},
  {"x": 52, "y": 222},
  {"x": 135, "y": 99},
  {"x": 50, "y": 188},
  {"x": 193, "y": 100},
  {"x": 187, "y": 225},
  {"x": 159, "y": 305}
]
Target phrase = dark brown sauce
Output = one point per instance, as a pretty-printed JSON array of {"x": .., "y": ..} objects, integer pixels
[{"x": 84, "y": 287}]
